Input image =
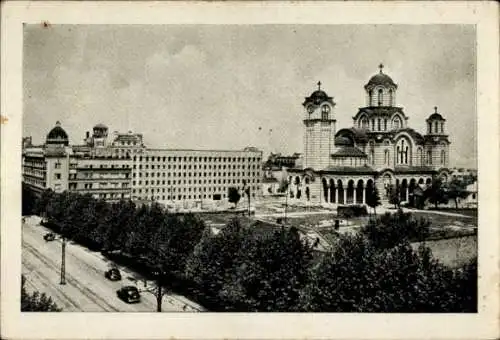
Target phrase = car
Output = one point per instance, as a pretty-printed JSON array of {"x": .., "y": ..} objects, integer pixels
[
  {"x": 49, "y": 237},
  {"x": 113, "y": 274},
  {"x": 129, "y": 294}
]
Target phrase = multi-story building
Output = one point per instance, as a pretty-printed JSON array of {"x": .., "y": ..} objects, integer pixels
[
  {"x": 80, "y": 168},
  {"x": 123, "y": 168},
  {"x": 379, "y": 149}
]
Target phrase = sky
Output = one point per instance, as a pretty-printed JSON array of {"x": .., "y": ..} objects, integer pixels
[{"x": 232, "y": 86}]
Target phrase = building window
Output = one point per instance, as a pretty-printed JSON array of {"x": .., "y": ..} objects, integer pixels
[
  {"x": 325, "y": 109},
  {"x": 402, "y": 151},
  {"x": 386, "y": 157},
  {"x": 396, "y": 123},
  {"x": 443, "y": 157},
  {"x": 429, "y": 157},
  {"x": 57, "y": 176},
  {"x": 380, "y": 96}
]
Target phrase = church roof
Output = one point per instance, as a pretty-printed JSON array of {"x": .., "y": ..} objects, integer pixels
[
  {"x": 417, "y": 137},
  {"x": 409, "y": 169},
  {"x": 349, "y": 151},
  {"x": 317, "y": 97},
  {"x": 380, "y": 79},
  {"x": 359, "y": 135},
  {"x": 386, "y": 111},
  {"x": 349, "y": 170},
  {"x": 435, "y": 115}
]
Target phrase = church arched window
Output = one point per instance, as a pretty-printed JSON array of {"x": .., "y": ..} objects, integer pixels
[
  {"x": 385, "y": 124},
  {"x": 391, "y": 98},
  {"x": 396, "y": 123},
  {"x": 420, "y": 155},
  {"x": 442, "y": 127},
  {"x": 402, "y": 151},
  {"x": 386, "y": 157},
  {"x": 429, "y": 157},
  {"x": 436, "y": 127},
  {"x": 370, "y": 95},
  {"x": 443, "y": 157},
  {"x": 364, "y": 123},
  {"x": 325, "y": 110},
  {"x": 378, "y": 124},
  {"x": 380, "y": 96}
]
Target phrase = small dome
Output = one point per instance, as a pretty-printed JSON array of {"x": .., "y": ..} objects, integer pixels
[
  {"x": 381, "y": 79},
  {"x": 435, "y": 115},
  {"x": 319, "y": 96},
  {"x": 57, "y": 135},
  {"x": 343, "y": 141},
  {"x": 101, "y": 126}
]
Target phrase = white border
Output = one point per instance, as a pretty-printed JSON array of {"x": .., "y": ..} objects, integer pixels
[{"x": 245, "y": 326}]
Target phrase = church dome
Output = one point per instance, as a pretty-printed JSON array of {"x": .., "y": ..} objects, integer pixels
[
  {"x": 435, "y": 115},
  {"x": 319, "y": 96},
  {"x": 343, "y": 141},
  {"x": 57, "y": 135},
  {"x": 101, "y": 126},
  {"x": 381, "y": 79}
]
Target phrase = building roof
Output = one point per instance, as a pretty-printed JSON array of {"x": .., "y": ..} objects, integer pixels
[
  {"x": 57, "y": 135},
  {"x": 349, "y": 151},
  {"x": 317, "y": 97},
  {"x": 343, "y": 141},
  {"x": 417, "y": 137},
  {"x": 380, "y": 79},
  {"x": 386, "y": 111},
  {"x": 348, "y": 170},
  {"x": 409, "y": 169},
  {"x": 435, "y": 115},
  {"x": 359, "y": 135}
]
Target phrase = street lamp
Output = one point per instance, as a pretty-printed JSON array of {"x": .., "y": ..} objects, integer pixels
[
  {"x": 157, "y": 291},
  {"x": 63, "y": 261}
]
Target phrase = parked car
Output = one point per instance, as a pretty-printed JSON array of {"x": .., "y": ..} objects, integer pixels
[
  {"x": 129, "y": 294},
  {"x": 49, "y": 237},
  {"x": 113, "y": 274}
]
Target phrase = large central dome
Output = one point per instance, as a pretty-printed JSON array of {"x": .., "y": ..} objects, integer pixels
[{"x": 380, "y": 79}]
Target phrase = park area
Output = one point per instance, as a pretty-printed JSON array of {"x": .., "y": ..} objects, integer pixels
[{"x": 452, "y": 235}]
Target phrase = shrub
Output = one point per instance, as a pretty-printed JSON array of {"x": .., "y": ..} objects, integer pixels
[{"x": 348, "y": 211}]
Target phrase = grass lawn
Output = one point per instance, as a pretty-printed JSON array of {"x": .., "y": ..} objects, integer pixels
[
  {"x": 438, "y": 220},
  {"x": 453, "y": 252}
]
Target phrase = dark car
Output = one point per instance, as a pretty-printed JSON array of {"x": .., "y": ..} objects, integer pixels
[
  {"x": 49, "y": 237},
  {"x": 113, "y": 274},
  {"x": 129, "y": 294}
]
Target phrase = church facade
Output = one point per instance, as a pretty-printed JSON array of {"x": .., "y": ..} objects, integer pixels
[{"x": 339, "y": 166}]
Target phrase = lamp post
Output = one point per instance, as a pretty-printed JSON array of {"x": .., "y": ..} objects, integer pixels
[
  {"x": 63, "y": 261},
  {"x": 157, "y": 291}
]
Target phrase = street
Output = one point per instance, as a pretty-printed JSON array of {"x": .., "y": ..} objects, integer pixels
[{"x": 86, "y": 288}]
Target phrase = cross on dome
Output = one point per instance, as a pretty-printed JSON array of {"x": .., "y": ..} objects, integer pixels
[
  {"x": 435, "y": 109},
  {"x": 319, "y": 85},
  {"x": 381, "y": 66}
]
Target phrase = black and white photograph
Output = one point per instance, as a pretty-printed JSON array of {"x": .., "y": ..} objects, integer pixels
[{"x": 201, "y": 168}]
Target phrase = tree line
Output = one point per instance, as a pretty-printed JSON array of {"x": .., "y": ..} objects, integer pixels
[
  {"x": 437, "y": 193},
  {"x": 242, "y": 269}
]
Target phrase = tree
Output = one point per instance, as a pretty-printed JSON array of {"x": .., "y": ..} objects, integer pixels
[
  {"x": 393, "y": 194},
  {"x": 36, "y": 302},
  {"x": 457, "y": 190},
  {"x": 436, "y": 193},
  {"x": 233, "y": 196},
  {"x": 391, "y": 230},
  {"x": 373, "y": 199}
]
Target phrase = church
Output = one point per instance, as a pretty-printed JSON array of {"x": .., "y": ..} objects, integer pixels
[{"x": 380, "y": 149}]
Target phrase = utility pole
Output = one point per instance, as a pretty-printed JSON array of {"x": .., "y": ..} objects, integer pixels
[
  {"x": 63, "y": 262},
  {"x": 286, "y": 197},
  {"x": 159, "y": 294}
]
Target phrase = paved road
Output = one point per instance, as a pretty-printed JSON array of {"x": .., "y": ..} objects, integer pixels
[{"x": 86, "y": 289}]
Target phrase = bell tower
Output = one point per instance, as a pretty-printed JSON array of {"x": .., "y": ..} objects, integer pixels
[{"x": 319, "y": 129}]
